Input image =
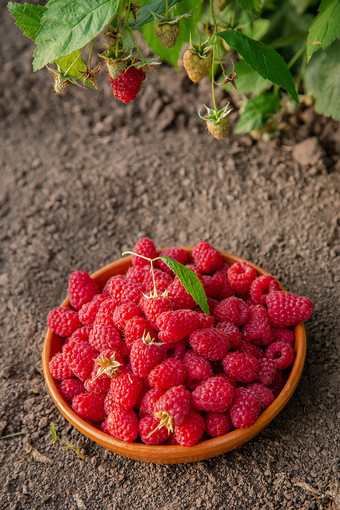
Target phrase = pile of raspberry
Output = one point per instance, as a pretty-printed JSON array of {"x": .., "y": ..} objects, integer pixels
[{"x": 142, "y": 361}]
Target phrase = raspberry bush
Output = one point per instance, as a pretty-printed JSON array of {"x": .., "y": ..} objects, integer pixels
[{"x": 275, "y": 54}]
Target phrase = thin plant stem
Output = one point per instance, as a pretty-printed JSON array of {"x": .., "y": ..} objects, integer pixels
[
  {"x": 213, "y": 15},
  {"x": 213, "y": 82},
  {"x": 90, "y": 53},
  {"x": 234, "y": 15},
  {"x": 12, "y": 435},
  {"x": 198, "y": 32},
  {"x": 296, "y": 56},
  {"x": 67, "y": 70},
  {"x": 167, "y": 10},
  {"x": 137, "y": 46}
]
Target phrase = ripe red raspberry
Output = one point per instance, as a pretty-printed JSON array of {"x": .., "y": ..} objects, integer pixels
[
  {"x": 114, "y": 278},
  {"x": 198, "y": 368},
  {"x": 232, "y": 309},
  {"x": 211, "y": 343},
  {"x": 135, "y": 328},
  {"x": 170, "y": 372},
  {"x": 261, "y": 287},
  {"x": 171, "y": 441},
  {"x": 81, "y": 289},
  {"x": 81, "y": 334},
  {"x": 248, "y": 348},
  {"x": 125, "y": 312},
  {"x": 58, "y": 367},
  {"x": 162, "y": 280},
  {"x": 153, "y": 307},
  {"x": 218, "y": 424},
  {"x": 89, "y": 406},
  {"x": 178, "y": 254},
  {"x": 125, "y": 389},
  {"x": 286, "y": 309},
  {"x": 104, "y": 315},
  {"x": 244, "y": 409},
  {"x": 173, "y": 407},
  {"x": 232, "y": 332},
  {"x": 206, "y": 257},
  {"x": 128, "y": 84},
  {"x": 241, "y": 367},
  {"x": 282, "y": 353},
  {"x": 70, "y": 388},
  {"x": 79, "y": 356},
  {"x": 148, "y": 402},
  {"x": 105, "y": 337},
  {"x": 146, "y": 248},
  {"x": 240, "y": 276},
  {"x": 264, "y": 394},
  {"x": 213, "y": 395},
  {"x": 179, "y": 297},
  {"x": 283, "y": 335},
  {"x": 125, "y": 291},
  {"x": 63, "y": 321},
  {"x": 137, "y": 273},
  {"x": 225, "y": 289},
  {"x": 267, "y": 371},
  {"x": 174, "y": 350},
  {"x": 191, "y": 430},
  {"x": 278, "y": 383},
  {"x": 176, "y": 325},
  {"x": 150, "y": 432},
  {"x": 258, "y": 328},
  {"x": 107, "y": 365},
  {"x": 144, "y": 356},
  {"x": 123, "y": 424},
  {"x": 88, "y": 311}
]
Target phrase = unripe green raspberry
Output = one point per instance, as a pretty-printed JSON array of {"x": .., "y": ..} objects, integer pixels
[
  {"x": 219, "y": 129},
  {"x": 167, "y": 33},
  {"x": 196, "y": 66}
]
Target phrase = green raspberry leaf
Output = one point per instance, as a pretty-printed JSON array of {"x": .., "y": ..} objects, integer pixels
[
  {"x": 253, "y": 6},
  {"x": 263, "y": 59},
  {"x": 67, "y": 26},
  {"x": 255, "y": 112},
  {"x": 248, "y": 81},
  {"x": 65, "y": 62},
  {"x": 190, "y": 282},
  {"x": 145, "y": 15},
  {"x": 27, "y": 17},
  {"x": 325, "y": 27}
]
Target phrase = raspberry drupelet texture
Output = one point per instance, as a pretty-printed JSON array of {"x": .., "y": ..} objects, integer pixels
[
  {"x": 207, "y": 258},
  {"x": 213, "y": 395},
  {"x": 123, "y": 313},
  {"x": 170, "y": 372},
  {"x": 153, "y": 307},
  {"x": 244, "y": 409},
  {"x": 232, "y": 309},
  {"x": 264, "y": 394},
  {"x": 150, "y": 432},
  {"x": 191, "y": 430},
  {"x": 104, "y": 315},
  {"x": 178, "y": 254},
  {"x": 240, "y": 276},
  {"x": 283, "y": 335},
  {"x": 258, "y": 328},
  {"x": 218, "y": 424},
  {"x": 88, "y": 312},
  {"x": 261, "y": 287},
  {"x": 174, "y": 350},
  {"x": 123, "y": 424},
  {"x": 58, "y": 367},
  {"x": 63, "y": 321},
  {"x": 179, "y": 297},
  {"x": 125, "y": 291},
  {"x": 232, "y": 332},
  {"x": 267, "y": 371},
  {"x": 105, "y": 337},
  {"x": 286, "y": 309},
  {"x": 89, "y": 406},
  {"x": 176, "y": 325},
  {"x": 173, "y": 406},
  {"x": 137, "y": 273},
  {"x": 282, "y": 353},
  {"x": 198, "y": 368},
  {"x": 81, "y": 289},
  {"x": 135, "y": 328},
  {"x": 81, "y": 334},
  {"x": 211, "y": 343},
  {"x": 70, "y": 388},
  {"x": 144, "y": 356},
  {"x": 80, "y": 358},
  {"x": 125, "y": 389},
  {"x": 148, "y": 402},
  {"x": 241, "y": 367},
  {"x": 146, "y": 248},
  {"x": 128, "y": 84}
]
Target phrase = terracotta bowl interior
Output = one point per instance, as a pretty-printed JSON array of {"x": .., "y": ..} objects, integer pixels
[{"x": 171, "y": 454}]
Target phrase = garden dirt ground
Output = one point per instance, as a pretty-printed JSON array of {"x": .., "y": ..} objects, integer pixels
[{"x": 82, "y": 178}]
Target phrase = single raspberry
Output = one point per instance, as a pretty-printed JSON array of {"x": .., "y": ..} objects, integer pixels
[
  {"x": 80, "y": 358},
  {"x": 115, "y": 67},
  {"x": 248, "y": 348},
  {"x": 283, "y": 335},
  {"x": 232, "y": 332},
  {"x": 211, "y": 343},
  {"x": 261, "y": 287},
  {"x": 125, "y": 291},
  {"x": 191, "y": 430},
  {"x": 286, "y": 309},
  {"x": 125, "y": 312},
  {"x": 137, "y": 274},
  {"x": 258, "y": 328},
  {"x": 123, "y": 424},
  {"x": 58, "y": 367},
  {"x": 264, "y": 394},
  {"x": 81, "y": 334},
  {"x": 153, "y": 307},
  {"x": 104, "y": 315},
  {"x": 206, "y": 257},
  {"x": 70, "y": 388},
  {"x": 135, "y": 328},
  {"x": 170, "y": 372},
  {"x": 218, "y": 424},
  {"x": 176, "y": 325},
  {"x": 167, "y": 32},
  {"x": 179, "y": 297},
  {"x": 198, "y": 368},
  {"x": 197, "y": 66},
  {"x": 174, "y": 350},
  {"x": 171, "y": 441},
  {"x": 223, "y": 269},
  {"x": 63, "y": 321},
  {"x": 150, "y": 432},
  {"x": 145, "y": 355},
  {"x": 218, "y": 128},
  {"x": 89, "y": 406},
  {"x": 282, "y": 353},
  {"x": 278, "y": 383},
  {"x": 173, "y": 407},
  {"x": 105, "y": 337},
  {"x": 88, "y": 311},
  {"x": 241, "y": 367},
  {"x": 213, "y": 395},
  {"x": 81, "y": 289},
  {"x": 148, "y": 402},
  {"x": 162, "y": 280},
  {"x": 178, "y": 254},
  {"x": 125, "y": 389},
  {"x": 240, "y": 276},
  {"x": 225, "y": 289},
  {"x": 267, "y": 371},
  {"x": 232, "y": 309},
  {"x": 108, "y": 365},
  {"x": 128, "y": 84},
  {"x": 244, "y": 409},
  {"x": 146, "y": 248},
  {"x": 112, "y": 279}
]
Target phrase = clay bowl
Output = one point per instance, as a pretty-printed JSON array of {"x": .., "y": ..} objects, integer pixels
[{"x": 171, "y": 454}]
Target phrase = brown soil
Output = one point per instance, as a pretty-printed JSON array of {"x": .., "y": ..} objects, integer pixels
[{"x": 82, "y": 178}]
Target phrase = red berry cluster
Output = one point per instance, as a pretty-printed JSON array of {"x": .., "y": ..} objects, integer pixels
[{"x": 152, "y": 367}]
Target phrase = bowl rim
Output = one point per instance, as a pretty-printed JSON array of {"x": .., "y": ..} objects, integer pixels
[{"x": 175, "y": 454}]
